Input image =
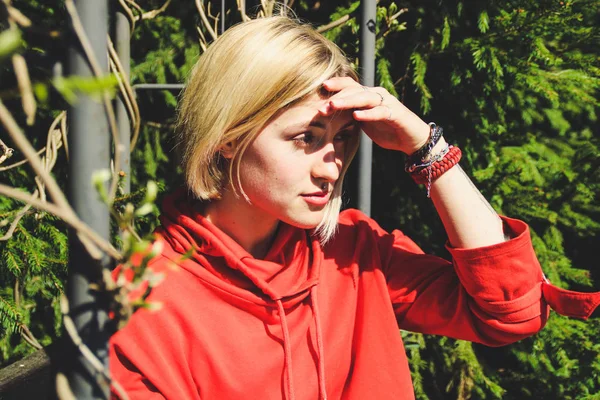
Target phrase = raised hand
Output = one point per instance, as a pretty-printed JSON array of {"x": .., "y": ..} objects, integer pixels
[{"x": 382, "y": 117}]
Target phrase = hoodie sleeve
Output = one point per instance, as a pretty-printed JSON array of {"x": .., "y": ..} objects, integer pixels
[{"x": 490, "y": 295}]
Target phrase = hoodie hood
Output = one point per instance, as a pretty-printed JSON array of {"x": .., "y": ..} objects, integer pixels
[
  {"x": 288, "y": 271},
  {"x": 287, "y": 275}
]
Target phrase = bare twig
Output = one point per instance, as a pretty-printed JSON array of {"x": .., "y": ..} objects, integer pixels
[
  {"x": 16, "y": 15},
  {"x": 58, "y": 136},
  {"x": 134, "y": 5},
  {"x": 18, "y": 163},
  {"x": 154, "y": 13},
  {"x": 241, "y": 4},
  {"x": 27, "y": 98},
  {"x": 334, "y": 24},
  {"x": 112, "y": 121},
  {"x": 129, "y": 15},
  {"x": 7, "y": 152},
  {"x": 386, "y": 31},
  {"x": 205, "y": 21},
  {"x": 202, "y": 41},
  {"x": 28, "y": 336},
  {"x": 399, "y": 13},
  {"x": 23, "y": 144},
  {"x": 63, "y": 389},
  {"x": 63, "y": 133},
  {"x": 127, "y": 93}
]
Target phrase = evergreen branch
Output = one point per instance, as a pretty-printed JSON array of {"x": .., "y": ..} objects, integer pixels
[
  {"x": 9, "y": 314},
  {"x": 15, "y": 222},
  {"x": 84, "y": 231}
]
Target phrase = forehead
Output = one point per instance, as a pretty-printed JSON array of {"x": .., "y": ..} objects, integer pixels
[{"x": 306, "y": 113}]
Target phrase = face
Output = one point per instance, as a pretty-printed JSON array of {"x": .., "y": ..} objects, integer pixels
[{"x": 288, "y": 172}]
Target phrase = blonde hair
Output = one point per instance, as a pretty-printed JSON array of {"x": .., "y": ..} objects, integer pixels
[{"x": 248, "y": 75}]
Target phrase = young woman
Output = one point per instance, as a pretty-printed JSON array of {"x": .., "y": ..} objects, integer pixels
[{"x": 284, "y": 297}]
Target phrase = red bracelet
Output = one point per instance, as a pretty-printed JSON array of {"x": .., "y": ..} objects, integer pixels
[{"x": 437, "y": 169}]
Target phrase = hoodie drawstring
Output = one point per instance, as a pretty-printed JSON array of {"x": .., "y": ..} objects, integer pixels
[
  {"x": 321, "y": 369},
  {"x": 287, "y": 348}
]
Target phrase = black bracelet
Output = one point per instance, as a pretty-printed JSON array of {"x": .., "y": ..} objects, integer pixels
[{"x": 435, "y": 133}]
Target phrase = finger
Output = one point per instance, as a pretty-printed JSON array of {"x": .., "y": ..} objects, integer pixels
[
  {"x": 379, "y": 113},
  {"x": 358, "y": 100},
  {"x": 350, "y": 97},
  {"x": 339, "y": 82}
]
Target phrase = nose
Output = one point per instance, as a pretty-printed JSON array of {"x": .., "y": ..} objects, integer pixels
[{"x": 327, "y": 164}]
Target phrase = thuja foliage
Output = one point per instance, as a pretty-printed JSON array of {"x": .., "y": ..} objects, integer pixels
[{"x": 515, "y": 84}]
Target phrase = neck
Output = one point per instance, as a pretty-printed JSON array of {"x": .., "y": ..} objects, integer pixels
[{"x": 240, "y": 220}]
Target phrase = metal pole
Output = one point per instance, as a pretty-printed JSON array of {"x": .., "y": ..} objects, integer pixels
[
  {"x": 367, "y": 65},
  {"x": 89, "y": 143},
  {"x": 122, "y": 43},
  {"x": 157, "y": 86},
  {"x": 222, "y": 16}
]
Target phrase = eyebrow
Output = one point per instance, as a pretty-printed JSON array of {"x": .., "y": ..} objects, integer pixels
[{"x": 321, "y": 125}]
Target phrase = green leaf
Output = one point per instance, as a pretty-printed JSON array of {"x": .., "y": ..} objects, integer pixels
[{"x": 10, "y": 41}]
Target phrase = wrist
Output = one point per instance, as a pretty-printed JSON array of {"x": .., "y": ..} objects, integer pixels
[
  {"x": 424, "y": 134},
  {"x": 440, "y": 145}
]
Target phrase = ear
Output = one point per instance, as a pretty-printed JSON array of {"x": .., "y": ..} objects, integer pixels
[{"x": 227, "y": 150}]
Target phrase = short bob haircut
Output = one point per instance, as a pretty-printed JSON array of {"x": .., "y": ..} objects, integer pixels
[{"x": 254, "y": 71}]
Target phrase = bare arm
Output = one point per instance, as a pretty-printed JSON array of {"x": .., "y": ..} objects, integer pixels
[{"x": 469, "y": 220}]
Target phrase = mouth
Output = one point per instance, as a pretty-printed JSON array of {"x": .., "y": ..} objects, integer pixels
[{"x": 317, "y": 198}]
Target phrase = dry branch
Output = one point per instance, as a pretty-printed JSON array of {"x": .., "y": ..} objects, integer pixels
[
  {"x": 204, "y": 17},
  {"x": 154, "y": 13},
  {"x": 7, "y": 152},
  {"x": 27, "y": 98},
  {"x": 127, "y": 93}
]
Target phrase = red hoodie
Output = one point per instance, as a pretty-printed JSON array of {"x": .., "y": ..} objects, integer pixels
[{"x": 311, "y": 322}]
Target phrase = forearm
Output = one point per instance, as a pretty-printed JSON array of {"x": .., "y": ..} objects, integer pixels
[{"x": 469, "y": 220}]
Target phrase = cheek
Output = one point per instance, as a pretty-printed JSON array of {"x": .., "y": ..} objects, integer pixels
[{"x": 267, "y": 175}]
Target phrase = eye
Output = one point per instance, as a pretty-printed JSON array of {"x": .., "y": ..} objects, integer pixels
[
  {"x": 304, "y": 139},
  {"x": 344, "y": 136}
]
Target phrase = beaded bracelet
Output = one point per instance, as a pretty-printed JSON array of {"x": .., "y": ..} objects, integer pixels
[
  {"x": 433, "y": 171},
  {"x": 435, "y": 133}
]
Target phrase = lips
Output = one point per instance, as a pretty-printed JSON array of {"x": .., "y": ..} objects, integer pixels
[{"x": 316, "y": 198}]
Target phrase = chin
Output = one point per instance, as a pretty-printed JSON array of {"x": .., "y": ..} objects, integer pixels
[{"x": 305, "y": 222}]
